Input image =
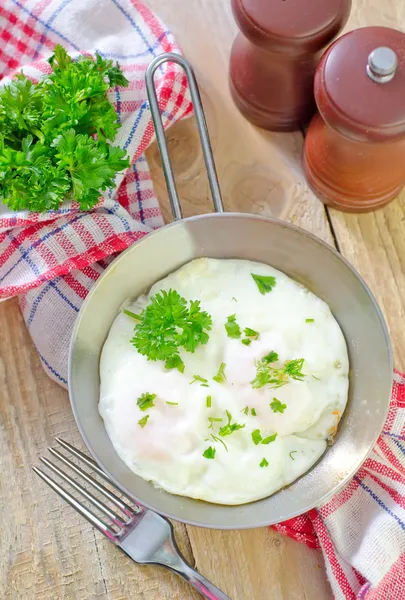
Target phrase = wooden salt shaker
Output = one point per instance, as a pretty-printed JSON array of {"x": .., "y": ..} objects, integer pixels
[
  {"x": 273, "y": 59},
  {"x": 354, "y": 154}
]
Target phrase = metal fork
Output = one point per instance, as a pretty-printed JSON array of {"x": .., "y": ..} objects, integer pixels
[{"x": 142, "y": 534}]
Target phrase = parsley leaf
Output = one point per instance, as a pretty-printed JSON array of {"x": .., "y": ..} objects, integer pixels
[
  {"x": 258, "y": 439},
  {"x": 245, "y": 410},
  {"x": 232, "y": 328},
  {"x": 53, "y": 141},
  {"x": 293, "y": 368},
  {"x": 271, "y": 357},
  {"x": 203, "y": 381},
  {"x": 209, "y": 452},
  {"x": 229, "y": 427},
  {"x": 220, "y": 377},
  {"x": 269, "y": 439},
  {"x": 256, "y": 436},
  {"x": 251, "y": 333},
  {"x": 265, "y": 283},
  {"x": 167, "y": 324},
  {"x": 142, "y": 422},
  {"x": 267, "y": 374},
  {"x": 253, "y": 412},
  {"x": 246, "y": 341},
  {"x": 277, "y": 406},
  {"x": 145, "y": 401},
  {"x": 264, "y": 463},
  {"x": 213, "y": 420},
  {"x": 175, "y": 362}
]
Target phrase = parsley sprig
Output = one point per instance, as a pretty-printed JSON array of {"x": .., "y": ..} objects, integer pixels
[
  {"x": 168, "y": 324},
  {"x": 145, "y": 401},
  {"x": 229, "y": 428},
  {"x": 268, "y": 374},
  {"x": 265, "y": 283},
  {"x": 55, "y": 134},
  {"x": 232, "y": 328}
]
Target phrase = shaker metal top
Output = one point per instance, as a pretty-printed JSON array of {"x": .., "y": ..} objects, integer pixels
[
  {"x": 382, "y": 64},
  {"x": 349, "y": 84}
]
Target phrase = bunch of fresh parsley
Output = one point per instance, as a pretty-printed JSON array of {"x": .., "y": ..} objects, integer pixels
[{"x": 55, "y": 134}]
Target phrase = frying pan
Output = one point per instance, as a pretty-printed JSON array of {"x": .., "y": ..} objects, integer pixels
[{"x": 297, "y": 253}]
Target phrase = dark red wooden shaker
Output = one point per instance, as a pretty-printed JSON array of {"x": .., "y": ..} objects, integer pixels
[
  {"x": 274, "y": 57},
  {"x": 354, "y": 153}
]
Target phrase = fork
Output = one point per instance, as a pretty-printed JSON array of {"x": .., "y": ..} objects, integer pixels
[{"x": 142, "y": 534}]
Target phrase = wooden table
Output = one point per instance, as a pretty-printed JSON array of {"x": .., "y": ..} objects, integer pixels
[{"x": 47, "y": 551}]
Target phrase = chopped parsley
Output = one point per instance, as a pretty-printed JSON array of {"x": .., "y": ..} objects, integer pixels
[
  {"x": 264, "y": 463},
  {"x": 246, "y": 341},
  {"x": 217, "y": 439},
  {"x": 293, "y": 452},
  {"x": 265, "y": 283},
  {"x": 167, "y": 324},
  {"x": 220, "y": 376},
  {"x": 309, "y": 320},
  {"x": 209, "y": 452},
  {"x": 209, "y": 401},
  {"x": 253, "y": 412},
  {"x": 277, "y": 406},
  {"x": 245, "y": 410},
  {"x": 317, "y": 378},
  {"x": 145, "y": 401},
  {"x": 202, "y": 380},
  {"x": 232, "y": 328},
  {"x": 229, "y": 427},
  {"x": 175, "y": 362},
  {"x": 213, "y": 420},
  {"x": 267, "y": 374},
  {"x": 293, "y": 368},
  {"x": 269, "y": 439},
  {"x": 256, "y": 436},
  {"x": 142, "y": 422},
  {"x": 131, "y": 314},
  {"x": 271, "y": 357},
  {"x": 251, "y": 333},
  {"x": 172, "y": 403},
  {"x": 258, "y": 439}
]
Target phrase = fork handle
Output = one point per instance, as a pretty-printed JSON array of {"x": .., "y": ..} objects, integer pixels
[{"x": 200, "y": 583}]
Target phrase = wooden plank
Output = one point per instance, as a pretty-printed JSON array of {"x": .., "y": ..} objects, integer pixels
[{"x": 47, "y": 550}]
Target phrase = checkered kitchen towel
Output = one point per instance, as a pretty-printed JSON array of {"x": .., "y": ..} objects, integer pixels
[
  {"x": 361, "y": 531},
  {"x": 52, "y": 260}
]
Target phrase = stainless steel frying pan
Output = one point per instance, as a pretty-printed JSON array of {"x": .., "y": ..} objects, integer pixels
[{"x": 297, "y": 253}]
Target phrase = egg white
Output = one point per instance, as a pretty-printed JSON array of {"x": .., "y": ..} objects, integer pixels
[{"x": 168, "y": 451}]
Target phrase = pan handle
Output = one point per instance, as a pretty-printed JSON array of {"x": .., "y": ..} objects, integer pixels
[{"x": 161, "y": 138}]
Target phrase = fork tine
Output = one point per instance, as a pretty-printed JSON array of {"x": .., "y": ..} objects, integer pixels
[
  {"x": 91, "y": 463},
  {"x": 101, "y": 488},
  {"x": 87, "y": 514},
  {"x": 109, "y": 513}
]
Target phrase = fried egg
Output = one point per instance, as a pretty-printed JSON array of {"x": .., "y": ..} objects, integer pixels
[{"x": 173, "y": 448}]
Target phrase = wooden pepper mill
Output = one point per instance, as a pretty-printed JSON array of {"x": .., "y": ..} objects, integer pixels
[
  {"x": 354, "y": 154},
  {"x": 273, "y": 59}
]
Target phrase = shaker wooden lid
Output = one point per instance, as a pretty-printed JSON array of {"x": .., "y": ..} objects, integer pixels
[
  {"x": 360, "y": 84},
  {"x": 291, "y": 25}
]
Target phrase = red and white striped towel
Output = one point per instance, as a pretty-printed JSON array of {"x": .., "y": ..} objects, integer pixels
[
  {"x": 361, "y": 531},
  {"x": 52, "y": 260}
]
